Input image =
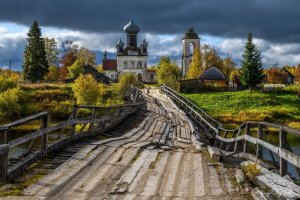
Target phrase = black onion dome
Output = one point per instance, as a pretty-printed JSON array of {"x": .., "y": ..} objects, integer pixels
[
  {"x": 131, "y": 27},
  {"x": 144, "y": 43},
  {"x": 120, "y": 43}
]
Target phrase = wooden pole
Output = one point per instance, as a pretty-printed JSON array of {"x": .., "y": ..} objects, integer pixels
[
  {"x": 236, "y": 144},
  {"x": 246, "y": 144},
  {"x": 74, "y": 116},
  {"x": 45, "y": 136},
  {"x": 4, "y": 148},
  {"x": 283, "y": 145},
  {"x": 259, "y": 136}
]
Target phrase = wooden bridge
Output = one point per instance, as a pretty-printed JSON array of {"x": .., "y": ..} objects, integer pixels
[{"x": 155, "y": 155}]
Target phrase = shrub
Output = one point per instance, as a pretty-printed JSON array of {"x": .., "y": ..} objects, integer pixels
[
  {"x": 7, "y": 83},
  {"x": 126, "y": 81},
  {"x": 86, "y": 90},
  {"x": 75, "y": 69},
  {"x": 53, "y": 74},
  {"x": 9, "y": 103}
]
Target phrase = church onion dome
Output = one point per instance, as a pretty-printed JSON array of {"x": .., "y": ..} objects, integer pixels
[
  {"x": 120, "y": 43},
  {"x": 131, "y": 28},
  {"x": 144, "y": 43}
]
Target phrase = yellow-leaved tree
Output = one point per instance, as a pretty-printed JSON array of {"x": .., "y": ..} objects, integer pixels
[
  {"x": 86, "y": 90},
  {"x": 195, "y": 66}
]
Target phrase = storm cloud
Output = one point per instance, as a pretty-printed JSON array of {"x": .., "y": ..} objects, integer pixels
[{"x": 272, "y": 20}]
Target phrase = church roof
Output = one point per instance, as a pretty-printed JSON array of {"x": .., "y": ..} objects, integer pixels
[
  {"x": 110, "y": 64},
  {"x": 131, "y": 27},
  {"x": 144, "y": 43},
  {"x": 191, "y": 34},
  {"x": 120, "y": 43},
  {"x": 212, "y": 73}
]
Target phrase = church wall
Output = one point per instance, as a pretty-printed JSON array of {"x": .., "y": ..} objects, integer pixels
[{"x": 133, "y": 68}]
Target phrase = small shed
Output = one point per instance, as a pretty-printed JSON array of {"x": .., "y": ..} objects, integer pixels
[
  {"x": 213, "y": 76},
  {"x": 289, "y": 77},
  {"x": 211, "y": 79}
]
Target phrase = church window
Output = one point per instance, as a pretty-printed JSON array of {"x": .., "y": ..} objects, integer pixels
[
  {"x": 139, "y": 65},
  {"x": 132, "y": 65},
  {"x": 125, "y": 65}
]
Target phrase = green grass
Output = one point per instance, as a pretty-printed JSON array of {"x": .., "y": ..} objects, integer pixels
[{"x": 233, "y": 108}]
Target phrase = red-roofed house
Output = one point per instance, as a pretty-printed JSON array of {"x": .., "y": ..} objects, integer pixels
[{"x": 110, "y": 68}]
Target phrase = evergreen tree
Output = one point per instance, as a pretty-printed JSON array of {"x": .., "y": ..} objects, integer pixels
[
  {"x": 251, "y": 65},
  {"x": 35, "y": 64}
]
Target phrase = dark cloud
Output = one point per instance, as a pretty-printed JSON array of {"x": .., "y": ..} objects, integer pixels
[{"x": 273, "y": 20}]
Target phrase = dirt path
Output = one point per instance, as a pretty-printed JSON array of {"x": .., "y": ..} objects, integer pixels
[{"x": 154, "y": 161}]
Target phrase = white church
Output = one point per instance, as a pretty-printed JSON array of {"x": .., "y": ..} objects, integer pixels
[{"x": 131, "y": 57}]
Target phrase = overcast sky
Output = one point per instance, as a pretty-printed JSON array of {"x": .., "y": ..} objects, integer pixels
[{"x": 97, "y": 25}]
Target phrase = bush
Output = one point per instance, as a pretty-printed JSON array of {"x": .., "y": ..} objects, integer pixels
[
  {"x": 126, "y": 81},
  {"x": 7, "y": 83},
  {"x": 86, "y": 90},
  {"x": 9, "y": 103},
  {"x": 75, "y": 70}
]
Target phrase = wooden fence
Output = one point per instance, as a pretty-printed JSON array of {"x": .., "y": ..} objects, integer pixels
[
  {"x": 85, "y": 121},
  {"x": 236, "y": 141}
]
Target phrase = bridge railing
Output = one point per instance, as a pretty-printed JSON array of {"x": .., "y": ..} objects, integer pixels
[
  {"x": 236, "y": 141},
  {"x": 84, "y": 121}
]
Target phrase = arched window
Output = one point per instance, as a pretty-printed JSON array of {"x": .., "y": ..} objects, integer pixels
[
  {"x": 139, "y": 65},
  {"x": 125, "y": 65},
  {"x": 132, "y": 65}
]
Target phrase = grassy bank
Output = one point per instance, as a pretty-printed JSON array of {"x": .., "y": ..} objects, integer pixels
[{"x": 232, "y": 108}]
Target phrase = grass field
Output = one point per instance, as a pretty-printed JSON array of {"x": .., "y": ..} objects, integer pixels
[{"x": 233, "y": 108}]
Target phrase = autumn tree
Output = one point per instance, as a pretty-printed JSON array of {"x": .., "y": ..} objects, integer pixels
[
  {"x": 35, "y": 64},
  {"x": 68, "y": 56},
  {"x": 195, "y": 68},
  {"x": 53, "y": 74},
  {"x": 251, "y": 64},
  {"x": 210, "y": 57},
  {"x": 86, "y": 90},
  {"x": 75, "y": 69},
  {"x": 275, "y": 75},
  {"x": 52, "y": 51},
  {"x": 86, "y": 57},
  {"x": 228, "y": 67},
  {"x": 167, "y": 73}
]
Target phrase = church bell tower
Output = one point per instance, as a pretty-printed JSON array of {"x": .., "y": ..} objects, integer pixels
[{"x": 190, "y": 38}]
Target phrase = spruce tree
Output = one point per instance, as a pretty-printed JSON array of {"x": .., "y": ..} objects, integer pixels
[
  {"x": 35, "y": 64},
  {"x": 251, "y": 64}
]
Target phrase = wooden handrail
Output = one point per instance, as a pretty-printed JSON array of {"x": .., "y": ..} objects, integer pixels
[
  {"x": 24, "y": 120},
  {"x": 96, "y": 124},
  {"x": 215, "y": 128}
]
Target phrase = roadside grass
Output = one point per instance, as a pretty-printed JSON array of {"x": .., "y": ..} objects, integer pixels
[{"x": 233, "y": 108}]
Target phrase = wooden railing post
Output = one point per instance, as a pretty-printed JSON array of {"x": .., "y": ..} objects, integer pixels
[
  {"x": 74, "y": 116},
  {"x": 3, "y": 155},
  {"x": 246, "y": 144},
  {"x": 259, "y": 136},
  {"x": 283, "y": 145},
  {"x": 236, "y": 144},
  {"x": 45, "y": 136}
]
